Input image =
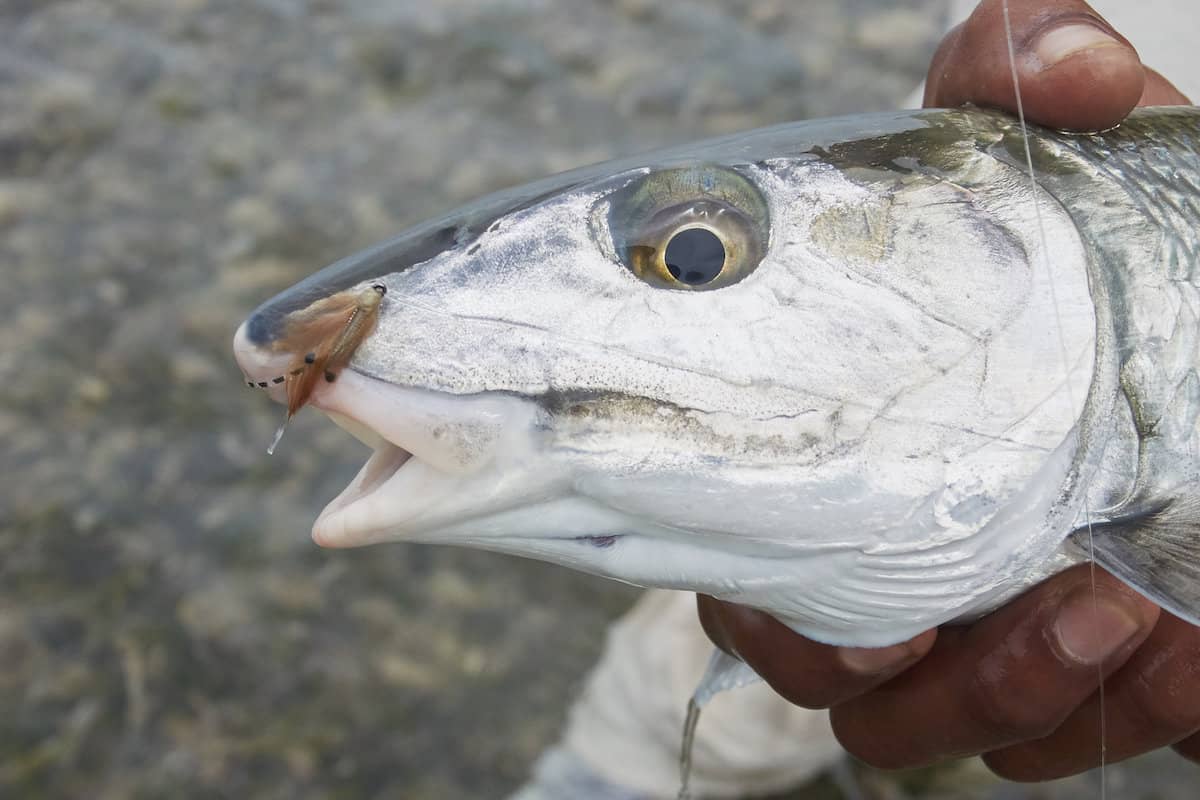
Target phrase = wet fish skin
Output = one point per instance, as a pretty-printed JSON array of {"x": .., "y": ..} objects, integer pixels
[{"x": 894, "y": 420}]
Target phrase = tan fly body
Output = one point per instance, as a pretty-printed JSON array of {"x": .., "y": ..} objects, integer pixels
[{"x": 327, "y": 333}]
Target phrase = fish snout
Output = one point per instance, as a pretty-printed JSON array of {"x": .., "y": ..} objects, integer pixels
[{"x": 262, "y": 367}]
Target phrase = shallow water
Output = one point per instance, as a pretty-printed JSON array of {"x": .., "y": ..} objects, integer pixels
[{"x": 166, "y": 626}]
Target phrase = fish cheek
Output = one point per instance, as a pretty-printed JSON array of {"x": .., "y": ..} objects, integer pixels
[
  {"x": 928, "y": 241},
  {"x": 860, "y": 233}
]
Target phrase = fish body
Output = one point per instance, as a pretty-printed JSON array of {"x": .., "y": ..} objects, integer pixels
[{"x": 860, "y": 373}]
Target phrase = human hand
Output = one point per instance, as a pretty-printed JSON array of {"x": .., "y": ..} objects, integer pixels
[
  {"x": 1020, "y": 685},
  {"x": 1076, "y": 72}
]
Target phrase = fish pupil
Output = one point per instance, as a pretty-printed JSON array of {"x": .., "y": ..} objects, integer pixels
[{"x": 695, "y": 256}]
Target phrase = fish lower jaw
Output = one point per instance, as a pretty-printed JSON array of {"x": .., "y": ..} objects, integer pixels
[
  {"x": 399, "y": 495},
  {"x": 347, "y": 516},
  {"x": 438, "y": 460}
]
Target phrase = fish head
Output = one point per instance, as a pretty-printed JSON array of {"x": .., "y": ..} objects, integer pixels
[{"x": 677, "y": 369}]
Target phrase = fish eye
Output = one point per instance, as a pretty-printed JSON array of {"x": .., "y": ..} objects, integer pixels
[
  {"x": 379, "y": 287},
  {"x": 691, "y": 228}
]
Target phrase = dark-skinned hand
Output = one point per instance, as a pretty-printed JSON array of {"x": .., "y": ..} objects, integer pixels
[{"x": 1019, "y": 686}]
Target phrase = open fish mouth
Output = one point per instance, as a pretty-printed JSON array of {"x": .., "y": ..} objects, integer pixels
[
  {"x": 429, "y": 453},
  {"x": 440, "y": 462},
  {"x": 357, "y": 508},
  {"x": 472, "y": 470},
  {"x": 377, "y": 475}
]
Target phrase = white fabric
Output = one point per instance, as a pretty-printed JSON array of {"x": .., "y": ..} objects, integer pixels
[{"x": 627, "y": 724}]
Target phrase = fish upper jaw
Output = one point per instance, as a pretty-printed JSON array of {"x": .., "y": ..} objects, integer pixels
[{"x": 263, "y": 368}]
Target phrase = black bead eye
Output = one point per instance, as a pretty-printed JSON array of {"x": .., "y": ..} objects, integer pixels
[
  {"x": 692, "y": 228},
  {"x": 695, "y": 256}
]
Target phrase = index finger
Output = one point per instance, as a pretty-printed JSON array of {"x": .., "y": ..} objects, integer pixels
[
  {"x": 804, "y": 672},
  {"x": 1014, "y": 675}
]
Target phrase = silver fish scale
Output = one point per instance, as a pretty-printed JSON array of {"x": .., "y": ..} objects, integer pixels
[
  {"x": 1162, "y": 181},
  {"x": 1142, "y": 220}
]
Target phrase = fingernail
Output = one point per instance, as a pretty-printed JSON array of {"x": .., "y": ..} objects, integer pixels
[
  {"x": 1058, "y": 44},
  {"x": 874, "y": 660},
  {"x": 1090, "y": 630}
]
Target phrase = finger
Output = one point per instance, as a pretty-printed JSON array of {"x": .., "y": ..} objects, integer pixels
[
  {"x": 1075, "y": 71},
  {"x": 1189, "y": 748},
  {"x": 804, "y": 672},
  {"x": 1151, "y": 702},
  {"x": 1014, "y": 675},
  {"x": 1160, "y": 92}
]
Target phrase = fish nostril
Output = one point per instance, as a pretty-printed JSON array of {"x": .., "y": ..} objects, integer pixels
[{"x": 262, "y": 327}]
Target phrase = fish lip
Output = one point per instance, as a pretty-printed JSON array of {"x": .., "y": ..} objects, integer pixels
[
  {"x": 442, "y": 464},
  {"x": 330, "y": 528},
  {"x": 261, "y": 367},
  {"x": 365, "y": 511},
  {"x": 440, "y": 460},
  {"x": 397, "y": 422},
  {"x": 385, "y": 461}
]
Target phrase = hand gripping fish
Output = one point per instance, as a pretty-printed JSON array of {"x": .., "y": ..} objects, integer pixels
[{"x": 831, "y": 370}]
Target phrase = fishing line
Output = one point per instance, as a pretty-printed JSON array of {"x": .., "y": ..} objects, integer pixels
[{"x": 1062, "y": 345}]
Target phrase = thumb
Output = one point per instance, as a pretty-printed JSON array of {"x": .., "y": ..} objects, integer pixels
[{"x": 1075, "y": 71}]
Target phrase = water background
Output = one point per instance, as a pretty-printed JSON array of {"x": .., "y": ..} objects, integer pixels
[{"x": 167, "y": 629}]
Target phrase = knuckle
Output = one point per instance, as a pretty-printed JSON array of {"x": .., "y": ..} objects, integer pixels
[
  {"x": 863, "y": 737},
  {"x": 1008, "y": 716},
  {"x": 1190, "y": 748},
  {"x": 1158, "y": 709},
  {"x": 709, "y": 611},
  {"x": 1003, "y": 765},
  {"x": 802, "y": 693},
  {"x": 1162, "y": 697}
]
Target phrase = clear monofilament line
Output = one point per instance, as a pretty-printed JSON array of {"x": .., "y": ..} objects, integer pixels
[{"x": 1062, "y": 345}]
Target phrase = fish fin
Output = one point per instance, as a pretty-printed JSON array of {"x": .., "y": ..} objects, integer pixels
[
  {"x": 1155, "y": 551},
  {"x": 723, "y": 672}
]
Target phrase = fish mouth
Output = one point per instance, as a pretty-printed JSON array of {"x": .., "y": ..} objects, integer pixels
[
  {"x": 440, "y": 461},
  {"x": 448, "y": 469},
  {"x": 332, "y": 527}
]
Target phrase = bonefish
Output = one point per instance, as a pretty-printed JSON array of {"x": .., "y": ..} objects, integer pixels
[{"x": 816, "y": 369}]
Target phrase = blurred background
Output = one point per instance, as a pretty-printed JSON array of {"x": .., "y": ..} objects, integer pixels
[{"x": 167, "y": 628}]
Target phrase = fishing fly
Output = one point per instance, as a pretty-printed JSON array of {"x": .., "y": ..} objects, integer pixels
[{"x": 327, "y": 333}]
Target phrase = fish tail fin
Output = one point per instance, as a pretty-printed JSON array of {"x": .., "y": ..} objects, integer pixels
[{"x": 1155, "y": 550}]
